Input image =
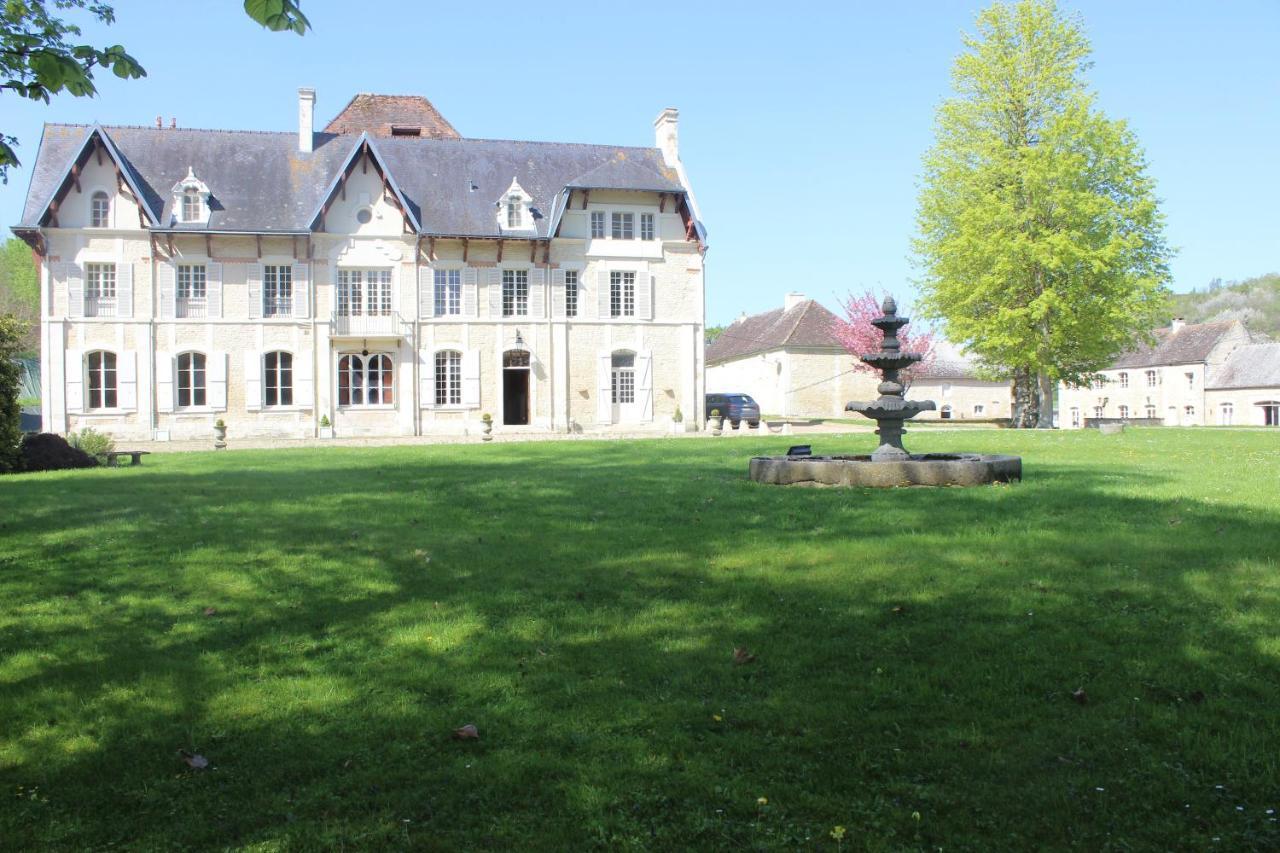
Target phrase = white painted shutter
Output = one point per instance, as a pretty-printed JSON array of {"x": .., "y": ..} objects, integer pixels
[
  {"x": 253, "y": 380},
  {"x": 75, "y": 379},
  {"x": 301, "y": 296},
  {"x": 586, "y": 303},
  {"x": 124, "y": 290},
  {"x": 213, "y": 284},
  {"x": 255, "y": 291},
  {"x": 168, "y": 285},
  {"x": 164, "y": 382},
  {"x": 426, "y": 379},
  {"x": 75, "y": 290},
  {"x": 537, "y": 293},
  {"x": 493, "y": 281},
  {"x": 604, "y": 387},
  {"x": 557, "y": 294},
  {"x": 426, "y": 292},
  {"x": 304, "y": 383},
  {"x": 644, "y": 384},
  {"x": 470, "y": 293},
  {"x": 602, "y": 293},
  {"x": 644, "y": 296},
  {"x": 216, "y": 377},
  {"x": 127, "y": 381},
  {"x": 471, "y": 378}
]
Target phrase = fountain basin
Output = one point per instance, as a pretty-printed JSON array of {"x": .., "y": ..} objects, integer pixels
[{"x": 924, "y": 469}]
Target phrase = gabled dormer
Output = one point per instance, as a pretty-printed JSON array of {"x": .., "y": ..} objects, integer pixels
[
  {"x": 190, "y": 200},
  {"x": 516, "y": 213}
]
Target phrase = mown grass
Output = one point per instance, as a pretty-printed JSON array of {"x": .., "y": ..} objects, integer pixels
[{"x": 580, "y": 602}]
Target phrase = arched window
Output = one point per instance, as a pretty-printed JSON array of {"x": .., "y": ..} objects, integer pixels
[
  {"x": 191, "y": 205},
  {"x": 101, "y": 367},
  {"x": 945, "y": 414},
  {"x": 191, "y": 380},
  {"x": 1270, "y": 412},
  {"x": 100, "y": 210},
  {"x": 624, "y": 378},
  {"x": 1151, "y": 412},
  {"x": 366, "y": 380},
  {"x": 1124, "y": 410},
  {"x": 277, "y": 385},
  {"x": 448, "y": 378}
]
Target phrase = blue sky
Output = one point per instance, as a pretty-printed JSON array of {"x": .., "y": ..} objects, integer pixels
[{"x": 802, "y": 126}]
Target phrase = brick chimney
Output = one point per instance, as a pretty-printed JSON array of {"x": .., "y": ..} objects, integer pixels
[{"x": 306, "y": 119}]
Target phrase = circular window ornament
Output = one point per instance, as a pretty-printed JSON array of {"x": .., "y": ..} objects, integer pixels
[{"x": 364, "y": 215}]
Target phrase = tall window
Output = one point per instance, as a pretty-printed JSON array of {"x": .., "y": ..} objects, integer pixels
[
  {"x": 366, "y": 380},
  {"x": 1226, "y": 414},
  {"x": 191, "y": 206},
  {"x": 624, "y": 226},
  {"x": 515, "y": 213},
  {"x": 1270, "y": 412},
  {"x": 102, "y": 380},
  {"x": 99, "y": 290},
  {"x": 1151, "y": 412},
  {"x": 1124, "y": 380},
  {"x": 622, "y": 294},
  {"x": 979, "y": 409},
  {"x": 449, "y": 378},
  {"x": 1097, "y": 411},
  {"x": 448, "y": 292},
  {"x": 647, "y": 230},
  {"x": 193, "y": 291},
  {"x": 277, "y": 385},
  {"x": 1151, "y": 379},
  {"x": 1189, "y": 411},
  {"x": 1191, "y": 381},
  {"x": 624, "y": 378},
  {"x": 1124, "y": 411},
  {"x": 597, "y": 224},
  {"x": 277, "y": 290},
  {"x": 1075, "y": 416},
  {"x": 100, "y": 210},
  {"x": 364, "y": 292},
  {"x": 571, "y": 293},
  {"x": 515, "y": 293},
  {"x": 191, "y": 380}
]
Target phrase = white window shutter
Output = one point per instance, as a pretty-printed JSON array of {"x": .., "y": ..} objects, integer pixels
[
  {"x": 557, "y": 294},
  {"x": 644, "y": 384},
  {"x": 75, "y": 290},
  {"x": 604, "y": 387},
  {"x": 127, "y": 381},
  {"x": 537, "y": 293},
  {"x": 586, "y": 304},
  {"x": 255, "y": 291},
  {"x": 493, "y": 280},
  {"x": 164, "y": 382},
  {"x": 124, "y": 290},
  {"x": 213, "y": 281},
  {"x": 75, "y": 380},
  {"x": 168, "y": 285},
  {"x": 216, "y": 392},
  {"x": 304, "y": 383},
  {"x": 471, "y": 378},
  {"x": 426, "y": 379},
  {"x": 426, "y": 292},
  {"x": 301, "y": 295},
  {"x": 602, "y": 293},
  {"x": 253, "y": 380},
  {"x": 644, "y": 296},
  {"x": 470, "y": 294}
]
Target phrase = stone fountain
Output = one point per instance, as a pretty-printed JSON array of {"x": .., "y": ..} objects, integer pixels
[{"x": 890, "y": 464}]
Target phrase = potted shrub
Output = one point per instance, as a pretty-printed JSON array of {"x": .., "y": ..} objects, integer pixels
[
  {"x": 219, "y": 434},
  {"x": 716, "y": 422},
  {"x": 677, "y": 422},
  {"x": 326, "y": 428},
  {"x": 486, "y": 421}
]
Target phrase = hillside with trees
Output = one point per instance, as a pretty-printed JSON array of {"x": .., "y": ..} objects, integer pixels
[{"x": 1254, "y": 301}]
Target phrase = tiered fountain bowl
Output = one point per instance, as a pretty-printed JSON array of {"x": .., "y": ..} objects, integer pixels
[{"x": 890, "y": 464}]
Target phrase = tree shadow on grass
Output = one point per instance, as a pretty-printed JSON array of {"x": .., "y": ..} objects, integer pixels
[{"x": 917, "y": 653}]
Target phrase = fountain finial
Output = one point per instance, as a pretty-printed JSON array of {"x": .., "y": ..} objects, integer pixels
[{"x": 889, "y": 307}]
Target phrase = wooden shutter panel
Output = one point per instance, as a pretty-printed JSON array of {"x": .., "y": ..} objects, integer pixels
[
  {"x": 301, "y": 296},
  {"x": 493, "y": 280},
  {"x": 426, "y": 379},
  {"x": 426, "y": 292},
  {"x": 304, "y": 383},
  {"x": 124, "y": 290},
  {"x": 216, "y": 379},
  {"x": 644, "y": 384},
  {"x": 471, "y": 378},
  {"x": 602, "y": 293},
  {"x": 164, "y": 382},
  {"x": 537, "y": 293},
  {"x": 75, "y": 290},
  {"x": 255, "y": 291},
  {"x": 127, "y": 381},
  {"x": 253, "y": 380},
  {"x": 644, "y": 296},
  {"x": 168, "y": 287},
  {"x": 604, "y": 387},
  {"x": 470, "y": 292},
  {"x": 213, "y": 283},
  {"x": 75, "y": 380},
  {"x": 557, "y": 294}
]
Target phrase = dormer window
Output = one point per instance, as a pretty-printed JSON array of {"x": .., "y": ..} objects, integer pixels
[
  {"x": 190, "y": 199},
  {"x": 191, "y": 206},
  {"x": 100, "y": 210},
  {"x": 514, "y": 211}
]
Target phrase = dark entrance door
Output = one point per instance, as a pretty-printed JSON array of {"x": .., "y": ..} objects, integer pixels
[{"x": 515, "y": 388}]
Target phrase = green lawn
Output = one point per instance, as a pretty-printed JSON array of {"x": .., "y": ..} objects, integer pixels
[{"x": 579, "y": 602}]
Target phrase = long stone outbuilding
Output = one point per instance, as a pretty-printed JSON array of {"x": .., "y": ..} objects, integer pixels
[{"x": 383, "y": 277}]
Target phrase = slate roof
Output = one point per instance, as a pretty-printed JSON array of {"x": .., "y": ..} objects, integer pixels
[
  {"x": 377, "y": 114},
  {"x": 1251, "y": 366},
  {"x": 260, "y": 182},
  {"x": 807, "y": 324},
  {"x": 1191, "y": 344}
]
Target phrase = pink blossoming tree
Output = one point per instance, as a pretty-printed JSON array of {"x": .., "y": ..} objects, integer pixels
[{"x": 858, "y": 336}]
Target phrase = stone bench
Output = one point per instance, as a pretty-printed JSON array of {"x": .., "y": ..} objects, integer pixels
[{"x": 113, "y": 457}]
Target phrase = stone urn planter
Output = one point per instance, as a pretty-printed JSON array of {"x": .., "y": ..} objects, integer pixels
[
  {"x": 219, "y": 435},
  {"x": 716, "y": 422},
  {"x": 486, "y": 425},
  {"x": 677, "y": 422},
  {"x": 326, "y": 428}
]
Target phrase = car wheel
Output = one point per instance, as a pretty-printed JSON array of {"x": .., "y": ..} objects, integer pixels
[{"x": 733, "y": 424}]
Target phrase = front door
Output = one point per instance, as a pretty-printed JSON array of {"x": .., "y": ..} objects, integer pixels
[{"x": 515, "y": 388}]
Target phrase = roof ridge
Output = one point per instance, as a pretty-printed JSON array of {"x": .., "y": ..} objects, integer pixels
[{"x": 171, "y": 129}]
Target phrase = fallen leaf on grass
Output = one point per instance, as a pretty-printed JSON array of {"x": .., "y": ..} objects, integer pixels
[
  {"x": 897, "y": 610},
  {"x": 1080, "y": 696},
  {"x": 211, "y": 611},
  {"x": 194, "y": 761},
  {"x": 467, "y": 732},
  {"x": 742, "y": 656}
]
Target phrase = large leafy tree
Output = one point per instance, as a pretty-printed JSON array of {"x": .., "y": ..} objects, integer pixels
[
  {"x": 12, "y": 332},
  {"x": 20, "y": 289},
  {"x": 1040, "y": 236},
  {"x": 41, "y": 54}
]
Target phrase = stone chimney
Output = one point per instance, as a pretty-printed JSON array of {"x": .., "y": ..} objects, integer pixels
[
  {"x": 306, "y": 119},
  {"x": 667, "y": 134},
  {"x": 1177, "y": 324},
  {"x": 792, "y": 299},
  {"x": 742, "y": 316}
]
